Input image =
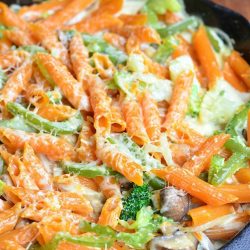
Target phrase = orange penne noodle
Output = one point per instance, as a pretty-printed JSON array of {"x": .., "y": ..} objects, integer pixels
[
  {"x": 79, "y": 59},
  {"x": 64, "y": 15},
  {"x": 93, "y": 24},
  {"x": 115, "y": 40},
  {"x": 179, "y": 100},
  {"x": 133, "y": 116},
  {"x": 120, "y": 162},
  {"x": 206, "y": 55},
  {"x": 233, "y": 79},
  {"x": 184, "y": 179},
  {"x": 111, "y": 212},
  {"x": 151, "y": 117},
  {"x": 204, "y": 214},
  {"x": 9, "y": 217},
  {"x": 18, "y": 37},
  {"x": 108, "y": 186},
  {"x": 56, "y": 112},
  {"x": 16, "y": 83},
  {"x": 171, "y": 17},
  {"x": 240, "y": 67},
  {"x": 109, "y": 6},
  {"x": 137, "y": 19},
  {"x": 53, "y": 147},
  {"x": 243, "y": 175},
  {"x": 11, "y": 19},
  {"x": 118, "y": 123},
  {"x": 241, "y": 191},
  {"x": 29, "y": 13},
  {"x": 12, "y": 59},
  {"x": 100, "y": 103},
  {"x": 21, "y": 236},
  {"x": 12, "y": 245},
  {"x": 86, "y": 144},
  {"x": 20, "y": 174},
  {"x": 77, "y": 203},
  {"x": 5, "y": 45},
  {"x": 201, "y": 158},
  {"x": 184, "y": 134},
  {"x": 72, "y": 246},
  {"x": 103, "y": 65},
  {"x": 59, "y": 74},
  {"x": 36, "y": 169}
]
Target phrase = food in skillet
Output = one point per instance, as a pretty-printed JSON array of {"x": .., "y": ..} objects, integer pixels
[{"x": 124, "y": 125}]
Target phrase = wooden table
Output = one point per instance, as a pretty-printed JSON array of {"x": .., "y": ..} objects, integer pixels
[{"x": 241, "y": 6}]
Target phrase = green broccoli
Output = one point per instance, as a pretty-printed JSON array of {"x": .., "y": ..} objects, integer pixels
[{"x": 136, "y": 199}]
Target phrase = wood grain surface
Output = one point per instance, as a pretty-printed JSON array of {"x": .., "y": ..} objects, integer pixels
[{"x": 241, "y": 6}]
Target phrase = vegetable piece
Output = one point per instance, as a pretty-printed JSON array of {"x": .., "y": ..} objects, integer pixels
[
  {"x": 183, "y": 179},
  {"x": 2, "y": 184},
  {"x": 243, "y": 175},
  {"x": 216, "y": 162},
  {"x": 241, "y": 191},
  {"x": 174, "y": 203},
  {"x": 203, "y": 155},
  {"x": 204, "y": 214},
  {"x": 187, "y": 23},
  {"x": 248, "y": 128},
  {"x": 89, "y": 170},
  {"x": 85, "y": 240},
  {"x": 235, "y": 127},
  {"x": 146, "y": 226},
  {"x": 18, "y": 123},
  {"x": 227, "y": 169},
  {"x": 240, "y": 66},
  {"x": 97, "y": 44},
  {"x": 32, "y": 49},
  {"x": 138, "y": 197},
  {"x": 206, "y": 56},
  {"x": 161, "y": 6},
  {"x": 165, "y": 49},
  {"x": 70, "y": 126}
]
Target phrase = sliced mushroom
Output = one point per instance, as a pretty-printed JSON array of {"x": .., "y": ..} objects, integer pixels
[
  {"x": 174, "y": 203},
  {"x": 179, "y": 241}
]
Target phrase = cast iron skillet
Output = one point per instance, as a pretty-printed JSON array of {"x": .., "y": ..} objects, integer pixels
[{"x": 238, "y": 28}]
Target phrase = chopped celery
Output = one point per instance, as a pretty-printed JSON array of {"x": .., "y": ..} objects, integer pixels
[
  {"x": 32, "y": 49},
  {"x": 90, "y": 240},
  {"x": 188, "y": 23},
  {"x": 165, "y": 49},
  {"x": 97, "y": 44},
  {"x": 216, "y": 163},
  {"x": 2, "y": 184}
]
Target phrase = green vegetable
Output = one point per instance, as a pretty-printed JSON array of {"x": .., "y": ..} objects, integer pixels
[
  {"x": 86, "y": 226},
  {"x": 32, "y": 49},
  {"x": 70, "y": 126},
  {"x": 138, "y": 197},
  {"x": 18, "y": 123},
  {"x": 3, "y": 78},
  {"x": 165, "y": 49},
  {"x": 195, "y": 100},
  {"x": 2, "y": 184},
  {"x": 161, "y": 6},
  {"x": 221, "y": 171},
  {"x": 213, "y": 39},
  {"x": 97, "y": 44},
  {"x": 235, "y": 127},
  {"x": 216, "y": 163},
  {"x": 188, "y": 23},
  {"x": 2, "y": 166},
  {"x": 89, "y": 170},
  {"x": 91, "y": 241},
  {"x": 156, "y": 183},
  {"x": 146, "y": 225},
  {"x": 2, "y": 28},
  {"x": 55, "y": 96}
]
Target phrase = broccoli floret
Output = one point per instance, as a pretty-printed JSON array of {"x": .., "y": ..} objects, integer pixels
[{"x": 136, "y": 199}]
